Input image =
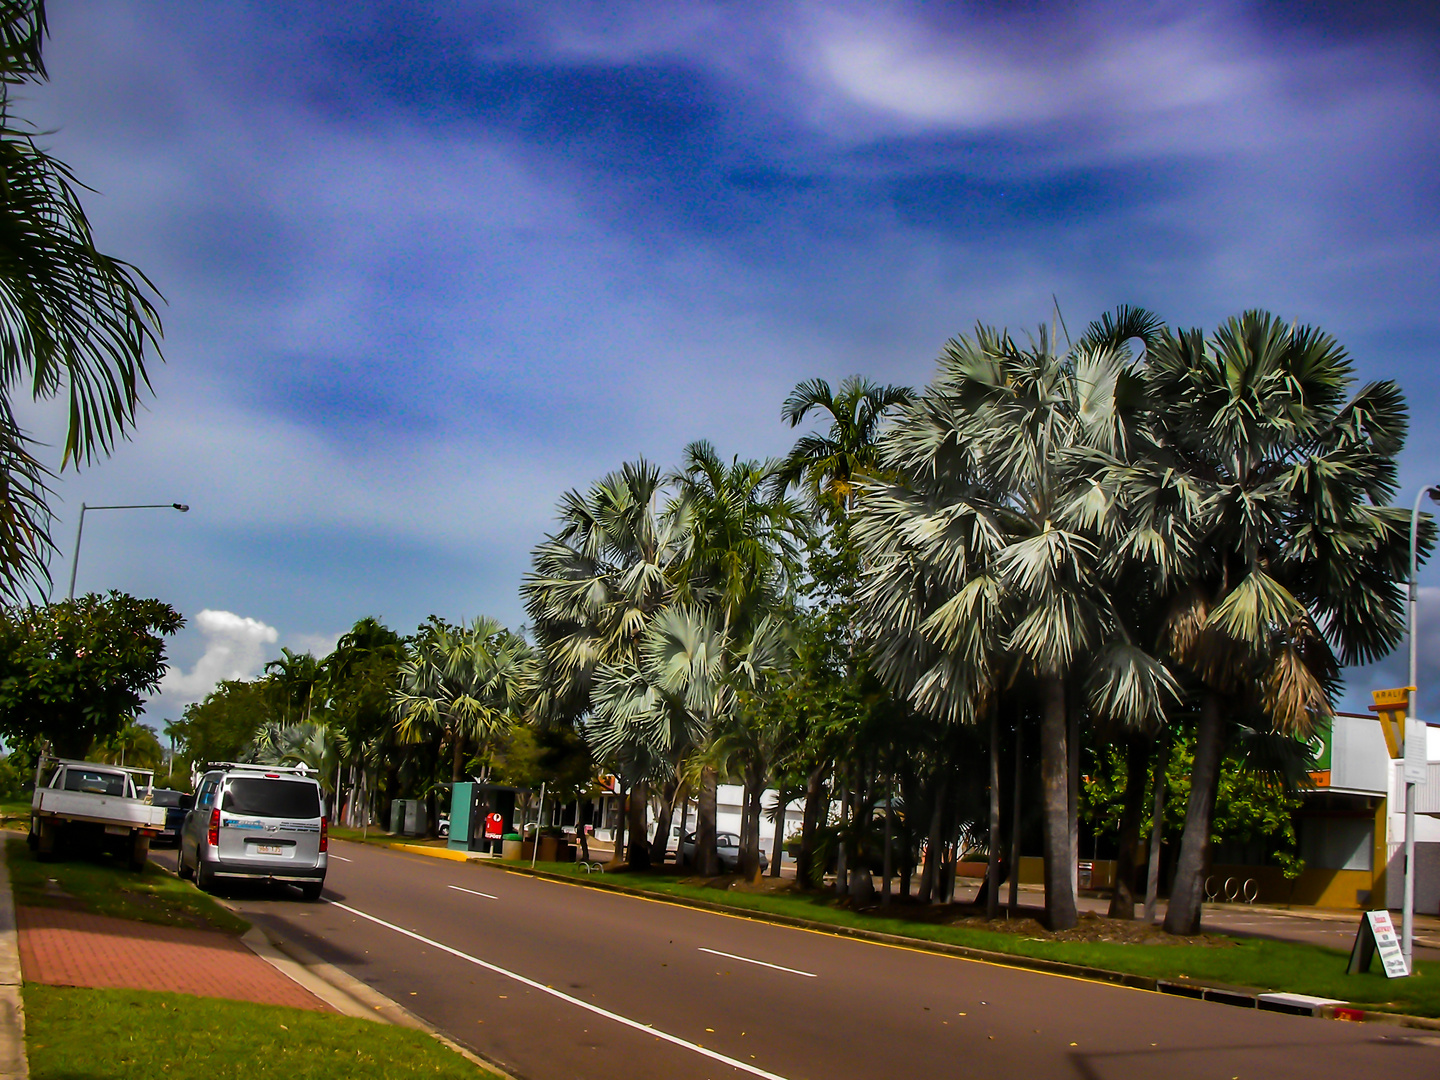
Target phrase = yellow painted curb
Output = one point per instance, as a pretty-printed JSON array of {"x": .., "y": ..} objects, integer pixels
[{"x": 433, "y": 852}]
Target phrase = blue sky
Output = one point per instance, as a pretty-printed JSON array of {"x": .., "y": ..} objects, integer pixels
[{"x": 429, "y": 265}]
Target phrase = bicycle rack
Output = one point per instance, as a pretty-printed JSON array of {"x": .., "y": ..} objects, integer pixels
[
  {"x": 596, "y": 867},
  {"x": 1250, "y": 890},
  {"x": 1210, "y": 894}
]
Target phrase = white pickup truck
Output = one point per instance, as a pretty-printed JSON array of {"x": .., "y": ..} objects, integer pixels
[{"x": 83, "y": 804}]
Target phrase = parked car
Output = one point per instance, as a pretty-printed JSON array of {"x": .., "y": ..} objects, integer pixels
[
  {"x": 727, "y": 847},
  {"x": 261, "y": 822},
  {"x": 177, "y": 804}
]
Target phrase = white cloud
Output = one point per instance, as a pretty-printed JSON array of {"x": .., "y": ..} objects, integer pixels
[{"x": 234, "y": 649}]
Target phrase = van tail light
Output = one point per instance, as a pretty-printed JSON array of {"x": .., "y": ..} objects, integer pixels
[
  {"x": 324, "y": 834},
  {"x": 214, "y": 834}
]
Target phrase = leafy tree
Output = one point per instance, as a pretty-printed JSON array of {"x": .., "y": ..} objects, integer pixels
[
  {"x": 77, "y": 672},
  {"x": 220, "y": 727},
  {"x": 73, "y": 320}
]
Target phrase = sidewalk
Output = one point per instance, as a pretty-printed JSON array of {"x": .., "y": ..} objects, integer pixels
[{"x": 73, "y": 948}]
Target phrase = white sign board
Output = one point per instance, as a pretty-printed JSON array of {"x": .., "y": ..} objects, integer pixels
[
  {"x": 1387, "y": 944},
  {"x": 1416, "y": 751}
]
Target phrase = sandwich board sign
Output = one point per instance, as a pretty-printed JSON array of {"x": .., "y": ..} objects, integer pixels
[{"x": 1377, "y": 935}]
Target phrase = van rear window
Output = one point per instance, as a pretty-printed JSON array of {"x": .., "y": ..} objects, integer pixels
[{"x": 272, "y": 798}]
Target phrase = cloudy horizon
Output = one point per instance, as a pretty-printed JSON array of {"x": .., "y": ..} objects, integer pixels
[{"x": 428, "y": 265}]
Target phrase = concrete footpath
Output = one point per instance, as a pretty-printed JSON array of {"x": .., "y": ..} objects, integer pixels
[{"x": 13, "y": 1063}]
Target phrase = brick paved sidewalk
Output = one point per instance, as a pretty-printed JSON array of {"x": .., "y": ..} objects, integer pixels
[{"x": 72, "y": 948}]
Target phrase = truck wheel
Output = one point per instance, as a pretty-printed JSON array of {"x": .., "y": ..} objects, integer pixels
[
  {"x": 47, "y": 841},
  {"x": 140, "y": 853},
  {"x": 32, "y": 839},
  {"x": 204, "y": 877},
  {"x": 311, "y": 890}
]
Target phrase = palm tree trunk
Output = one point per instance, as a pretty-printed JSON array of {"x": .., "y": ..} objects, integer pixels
[
  {"x": 814, "y": 794},
  {"x": 1137, "y": 777},
  {"x": 1060, "y": 913},
  {"x": 457, "y": 758},
  {"x": 1157, "y": 830},
  {"x": 992, "y": 870},
  {"x": 935, "y": 843},
  {"x": 684, "y": 820},
  {"x": 781, "y": 802},
  {"x": 618, "y": 857},
  {"x": 1072, "y": 775},
  {"x": 750, "y": 827},
  {"x": 1183, "y": 916},
  {"x": 888, "y": 858},
  {"x": 706, "y": 857},
  {"x": 1016, "y": 806},
  {"x": 639, "y": 803},
  {"x": 660, "y": 845},
  {"x": 842, "y": 877}
]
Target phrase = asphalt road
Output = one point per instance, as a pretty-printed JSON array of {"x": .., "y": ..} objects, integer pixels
[{"x": 558, "y": 982}]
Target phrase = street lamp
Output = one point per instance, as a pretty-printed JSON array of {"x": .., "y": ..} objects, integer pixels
[
  {"x": 1413, "y": 730},
  {"x": 80, "y": 530}
]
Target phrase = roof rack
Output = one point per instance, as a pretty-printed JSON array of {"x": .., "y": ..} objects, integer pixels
[{"x": 250, "y": 766}]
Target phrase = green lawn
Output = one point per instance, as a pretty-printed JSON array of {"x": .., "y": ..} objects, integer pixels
[
  {"x": 106, "y": 887},
  {"x": 114, "y": 1034},
  {"x": 15, "y": 813},
  {"x": 1252, "y": 962}
]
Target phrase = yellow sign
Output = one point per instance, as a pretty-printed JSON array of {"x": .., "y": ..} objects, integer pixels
[{"x": 1391, "y": 705}]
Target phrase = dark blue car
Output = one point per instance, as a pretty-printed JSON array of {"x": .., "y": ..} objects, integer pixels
[{"x": 177, "y": 804}]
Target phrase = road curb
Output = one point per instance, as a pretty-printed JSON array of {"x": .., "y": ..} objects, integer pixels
[
  {"x": 1241, "y": 996},
  {"x": 13, "y": 1063}
]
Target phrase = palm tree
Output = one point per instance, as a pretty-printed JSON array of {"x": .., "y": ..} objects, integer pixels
[
  {"x": 987, "y": 553},
  {"x": 593, "y": 590},
  {"x": 296, "y": 676},
  {"x": 462, "y": 683},
  {"x": 72, "y": 319},
  {"x": 829, "y": 466},
  {"x": 1291, "y": 561},
  {"x": 738, "y": 558}
]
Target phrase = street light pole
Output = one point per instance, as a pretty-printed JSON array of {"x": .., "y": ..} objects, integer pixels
[
  {"x": 80, "y": 529},
  {"x": 1414, "y": 729}
]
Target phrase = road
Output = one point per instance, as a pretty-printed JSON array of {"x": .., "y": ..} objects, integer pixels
[{"x": 556, "y": 981}]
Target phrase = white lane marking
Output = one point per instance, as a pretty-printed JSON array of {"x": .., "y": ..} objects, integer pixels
[
  {"x": 472, "y": 892},
  {"x": 644, "y": 1029},
  {"x": 762, "y": 963},
  {"x": 342, "y": 858}
]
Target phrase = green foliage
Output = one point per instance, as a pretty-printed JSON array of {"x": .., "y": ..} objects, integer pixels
[
  {"x": 225, "y": 723},
  {"x": 108, "y": 887},
  {"x": 78, "y": 671},
  {"x": 1250, "y": 805},
  {"x": 73, "y": 321},
  {"x": 118, "y": 1034}
]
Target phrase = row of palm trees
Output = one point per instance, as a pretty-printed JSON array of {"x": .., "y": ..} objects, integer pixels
[{"x": 1138, "y": 531}]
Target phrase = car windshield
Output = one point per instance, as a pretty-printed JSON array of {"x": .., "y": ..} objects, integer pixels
[
  {"x": 166, "y": 798},
  {"x": 95, "y": 782},
  {"x": 272, "y": 798}
]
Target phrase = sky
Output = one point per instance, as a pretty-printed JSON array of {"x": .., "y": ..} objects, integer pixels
[{"x": 428, "y": 265}]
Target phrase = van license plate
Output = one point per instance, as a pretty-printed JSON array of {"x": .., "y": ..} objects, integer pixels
[{"x": 269, "y": 849}]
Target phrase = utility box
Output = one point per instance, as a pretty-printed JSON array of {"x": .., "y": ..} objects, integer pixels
[
  {"x": 407, "y": 817},
  {"x": 480, "y": 816}
]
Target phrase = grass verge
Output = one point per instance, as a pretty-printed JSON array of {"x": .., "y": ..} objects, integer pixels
[
  {"x": 106, "y": 887},
  {"x": 110, "y": 1034},
  {"x": 1252, "y": 962}
]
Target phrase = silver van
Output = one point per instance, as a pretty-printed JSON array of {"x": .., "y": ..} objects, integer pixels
[{"x": 262, "y": 822}]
